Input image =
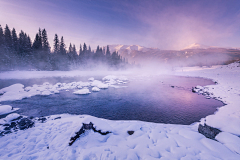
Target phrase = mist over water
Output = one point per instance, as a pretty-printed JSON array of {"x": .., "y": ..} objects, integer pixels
[{"x": 152, "y": 98}]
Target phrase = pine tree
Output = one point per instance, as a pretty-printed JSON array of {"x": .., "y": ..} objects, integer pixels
[
  {"x": 84, "y": 48},
  {"x": 8, "y": 38},
  {"x": 3, "y": 58},
  {"x": 45, "y": 44},
  {"x": 1, "y": 36},
  {"x": 40, "y": 39},
  {"x": 89, "y": 49},
  {"x": 80, "y": 51},
  {"x": 56, "y": 45},
  {"x": 108, "y": 54},
  {"x": 62, "y": 47},
  {"x": 15, "y": 40}
]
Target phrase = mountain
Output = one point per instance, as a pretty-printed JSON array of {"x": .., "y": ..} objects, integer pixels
[
  {"x": 197, "y": 46},
  {"x": 194, "y": 54},
  {"x": 128, "y": 48}
]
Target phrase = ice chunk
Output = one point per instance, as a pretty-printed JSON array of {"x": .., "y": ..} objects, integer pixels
[
  {"x": 82, "y": 91},
  {"x": 99, "y": 84},
  {"x": 95, "y": 89}
]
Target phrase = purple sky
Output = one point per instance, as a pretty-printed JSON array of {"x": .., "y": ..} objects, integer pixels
[{"x": 164, "y": 24}]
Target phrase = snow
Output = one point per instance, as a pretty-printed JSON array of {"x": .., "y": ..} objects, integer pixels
[
  {"x": 4, "y": 109},
  {"x": 49, "y": 140},
  {"x": 82, "y": 91}
]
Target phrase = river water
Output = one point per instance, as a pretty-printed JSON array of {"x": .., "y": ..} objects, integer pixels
[{"x": 161, "y": 99}]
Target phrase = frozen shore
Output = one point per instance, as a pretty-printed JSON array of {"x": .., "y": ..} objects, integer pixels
[{"x": 50, "y": 139}]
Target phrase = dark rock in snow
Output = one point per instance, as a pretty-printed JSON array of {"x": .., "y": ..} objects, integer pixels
[
  {"x": 57, "y": 118},
  {"x": 130, "y": 132},
  {"x": 208, "y": 131},
  {"x": 42, "y": 119},
  {"x": 88, "y": 126},
  {"x": 83, "y": 129},
  {"x": 25, "y": 123},
  {"x": 193, "y": 90}
]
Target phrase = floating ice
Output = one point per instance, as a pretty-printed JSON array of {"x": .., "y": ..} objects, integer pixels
[
  {"x": 95, "y": 89},
  {"x": 99, "y": 84},
  {"x": 82, "y": 91}
]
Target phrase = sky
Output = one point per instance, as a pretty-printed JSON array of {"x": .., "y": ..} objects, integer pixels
[{"x": 163, "y": 24}]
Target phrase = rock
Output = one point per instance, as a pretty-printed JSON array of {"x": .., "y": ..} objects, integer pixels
[
  {"x": 88, "y": 126},
  {"x": 208, "y": 131},
  {"x": 83, "y": 129},
  {"x": 130, "y": 132},
  {"x": 42, "y": 119},
  {"x": 193, "y": 90},
  {"x": 57, "y": 118},
  {"x": 25, "y": 123}
]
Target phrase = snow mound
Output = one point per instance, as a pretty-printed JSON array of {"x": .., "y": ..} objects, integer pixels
[
  {"x": 9, "y": 118},
  {"x": 82, "y": 91},
  {"x": 4, "y": 109}
]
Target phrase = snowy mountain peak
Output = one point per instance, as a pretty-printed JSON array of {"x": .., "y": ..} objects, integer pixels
[
  {"x": 128, "y": 48},
  {"x": 196, "y": 46}
]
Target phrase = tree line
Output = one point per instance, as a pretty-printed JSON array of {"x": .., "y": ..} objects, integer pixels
[{"x": 18, "y": 52}]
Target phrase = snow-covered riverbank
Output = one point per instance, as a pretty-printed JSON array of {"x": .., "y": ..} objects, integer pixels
[{"x": 50, "y": 140}]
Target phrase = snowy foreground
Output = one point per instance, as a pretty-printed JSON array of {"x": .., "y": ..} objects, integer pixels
[{"x": 50, "y": 139}]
